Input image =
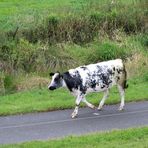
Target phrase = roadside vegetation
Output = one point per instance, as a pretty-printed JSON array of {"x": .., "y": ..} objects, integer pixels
[
  {"x": 37, "y": 37},
  {"x": 136, "y": 137},
  {"x": 40, "y": 99}
]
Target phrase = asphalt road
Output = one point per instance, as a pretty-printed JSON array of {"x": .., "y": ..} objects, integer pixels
[{"x": 57, "y": 124}]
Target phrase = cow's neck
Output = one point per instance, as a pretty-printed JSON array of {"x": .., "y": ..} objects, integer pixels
[
  {"x": 68, "y": 81},
  {"x": 64, "y": 83}
]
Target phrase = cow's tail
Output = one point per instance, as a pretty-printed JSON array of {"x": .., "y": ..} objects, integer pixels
[{"x": 125, "y": 85}]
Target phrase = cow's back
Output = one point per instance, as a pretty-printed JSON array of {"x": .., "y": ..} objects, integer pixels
[{"x": 99, "y": 76}]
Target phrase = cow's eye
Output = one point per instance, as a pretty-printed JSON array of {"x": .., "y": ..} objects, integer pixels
[{"x": 56, "y": 79}]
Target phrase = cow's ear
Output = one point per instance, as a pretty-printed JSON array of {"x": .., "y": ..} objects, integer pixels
[
  {"x": 61, "y": 76},
  {"x": 51, "y": 74},
  {"x": 58, "y": 72}
]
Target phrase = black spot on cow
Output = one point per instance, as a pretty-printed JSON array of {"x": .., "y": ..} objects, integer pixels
[
  {"x": 118, "y": 78},
  {"x": 93, "y": 84},
  {"x": 103, "y": 86},
  {"x": 99, "y": 69},
  {"x": 89, "y": 75},
  {"x": 114, "y": 69},
  {"x": 119, "y": 70},
  {"x": 105, "y": 79},
  {"x": 84, "y": 67},
  {"x": 74, "y": 82},
  {"x": 110, "y": 72}
]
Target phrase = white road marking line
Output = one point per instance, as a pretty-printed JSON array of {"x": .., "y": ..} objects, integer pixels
[{"x": 71, "y": 120}]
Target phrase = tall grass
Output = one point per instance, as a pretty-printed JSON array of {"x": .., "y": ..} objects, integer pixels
[
  {"x": 45, "y": 40},
  {"x": 83, "y": 26}
]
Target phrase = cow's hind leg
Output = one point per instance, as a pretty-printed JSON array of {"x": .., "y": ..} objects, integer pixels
[
  {"x": 78, "y": 100},
  {"x": 121, "y": 91},
  {"x": 122, "y": 85},
  {"x": 106, "y": 94}
]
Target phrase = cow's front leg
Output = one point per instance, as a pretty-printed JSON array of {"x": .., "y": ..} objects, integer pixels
[
  {"x": 88, "y": 104},
  {"x": 75, "y": 112}
]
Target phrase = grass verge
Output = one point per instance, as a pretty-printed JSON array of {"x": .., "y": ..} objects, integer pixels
[
  {"x": 43, "y": 100},
  {"x": 136, "y": 137}
]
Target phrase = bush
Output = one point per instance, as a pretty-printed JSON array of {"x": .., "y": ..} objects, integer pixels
[
  {"x": 40, "y": 58},
  {"x": 143, "y": 39},
  {"x": 9, "y": 84},
  {"x": 145, "y": 76},
  {"x": 107, "y": 51},
  {"x": 2, "y": 87},
  {"x": 84, "y": 26}
]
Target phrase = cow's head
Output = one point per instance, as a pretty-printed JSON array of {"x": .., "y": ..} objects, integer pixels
[{"x": 56, "y": 82}]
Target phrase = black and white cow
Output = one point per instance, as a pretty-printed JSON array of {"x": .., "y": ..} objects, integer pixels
[{"x": 92, "y": 78}]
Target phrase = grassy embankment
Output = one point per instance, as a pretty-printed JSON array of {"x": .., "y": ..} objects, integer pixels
[
  {"x": 43, "y": 100},
  {"x": 136, "y": 137},
  {"x": 42, "y": 36}
]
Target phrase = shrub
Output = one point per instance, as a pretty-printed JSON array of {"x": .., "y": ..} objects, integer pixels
[
  {"x": 9, "y": 84},
  {"x": 107, "y": 51},
  {"x": 52, "y": 29},
  {"x": 143, "y": 39},
  {"x": 2, "y": 87}
]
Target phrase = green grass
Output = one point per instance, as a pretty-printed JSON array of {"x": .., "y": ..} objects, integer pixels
[
  {"x": 103, "y": 28},
  {"x": 44, "y": 100},
  {"x": 46, "y": 27},
  {"x": 27, "y": 14},
  {"x": 136, "y": 137}
]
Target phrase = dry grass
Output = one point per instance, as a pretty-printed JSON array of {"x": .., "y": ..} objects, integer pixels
[
  {"x": 32, "y": 82},
  {"x": 136, "y": 65}
]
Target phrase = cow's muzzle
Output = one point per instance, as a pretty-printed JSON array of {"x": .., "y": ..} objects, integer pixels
[{"x": 52, "y": 87}]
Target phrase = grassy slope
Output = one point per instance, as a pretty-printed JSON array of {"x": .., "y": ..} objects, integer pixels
[
  {"x": 43, "y": 100},
  {"x": 26, "y": 14},
  {"x": 137, "y": 138},
  {"x": 16, "y": 12}
]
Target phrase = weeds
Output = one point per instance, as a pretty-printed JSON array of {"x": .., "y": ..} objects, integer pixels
[
  {"x": 83, "y": 27},
  {"x": 86, "y": 32},
  {"x": 108, "y": 51}
]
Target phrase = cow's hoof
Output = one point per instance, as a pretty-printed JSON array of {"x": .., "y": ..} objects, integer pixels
[
  {"x": 93, "y": 107},
  {"x": 100, "y": 108},
  {"x": 73, "y": 115},
  {"x": 121, "y": 108}
]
